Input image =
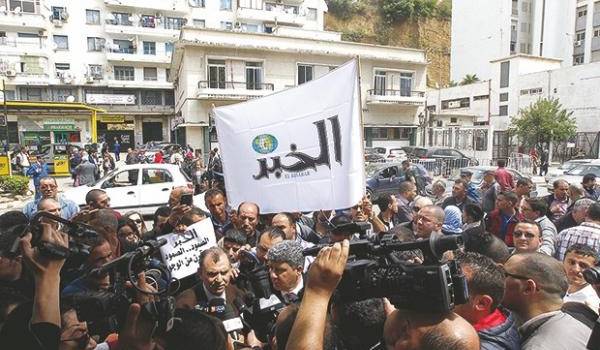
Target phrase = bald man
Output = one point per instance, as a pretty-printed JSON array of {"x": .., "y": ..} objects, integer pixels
[
  {"x": 429, "y": 221},
  {"x": 410, "y": 330}
]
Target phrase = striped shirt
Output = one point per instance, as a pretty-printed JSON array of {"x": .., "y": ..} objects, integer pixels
[{"x": 587, "y": 233}]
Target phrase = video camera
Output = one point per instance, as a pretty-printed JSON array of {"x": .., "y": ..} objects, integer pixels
[
  {"x": 105, "y": 311},
  {"x": 261, "y": 306},
  {"x": 374, "y": 272},
  {"x": 75, "y": 230}
]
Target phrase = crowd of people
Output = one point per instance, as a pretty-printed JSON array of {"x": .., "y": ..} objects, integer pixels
[{"x": 523, "y": 260}]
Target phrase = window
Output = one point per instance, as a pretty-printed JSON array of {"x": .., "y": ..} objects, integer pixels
[
  {"x": 406, "y": 84},
  {"x": 580, "y": 36},
  {"x": 151, "y": 98},
  {"x": 33, "y": 94},
  {"x": 61, "y": 68},
  {"x": 311, "y": 14},
  {"x": 174, "y": 23},
  {"x": 226, "y": 5},
  {"x": 59, "y": 13},
  {"x": 379, "y": 133},
  {"x": 92, "y": 17},
  {"x": 290, "y": 9},
  {"x": 251, "y": 28},
  {"x": 226, "y": 25},
  {"x": 480, "y": 139},
  {"x": 305, "y": 73},
  {"x": 95, "y": 44},
  {"x": 156, "y": 176},
  {"x": 535, "y": 91},
  {"x": 453, "y": 120},
  {"x": 503, "y": 111},
  {"x": 123, "y": 46},
  {"x": 121, "y": 19},
  {"x": 216, "y": 74},
  {"x": 149, "y": 48},
  {"x": 150, "y": 74},
  {"x": 28, "y": 35},
  {"x": 577, "y": 59},
  {"x": 196, "y": 3},
  {"x": 124, "y": 73},
  {"x": 168, "y": 73},
  {"x": 596, "y": 32},
  {"x": 481, "y": 97},
  {"x": 61, "y": 41},
  {"x": 464, "y": 102},
  {"x": 148, "y": 21},
  {"x": 168, "y": 48},
  {"x": 169, "y": 98},
  {"x": 400, "y": 133},
  {"x": 582, "y": 12},
  {"x": 95, "y": 71},
  {"x": 122, "y": 179},
  {"x": 61, "y": 95},
  {"x": 504, "y": 97},
  {"x": 25, "y": 5},
  {"x": 200, "y": 23},
  {"x": 504, "y": 74},
  {"x": 379, "y": 82},
  {"x": 254, "y": 75}
]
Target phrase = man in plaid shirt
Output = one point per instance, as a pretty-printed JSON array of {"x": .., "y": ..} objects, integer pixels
[{"x": 587, "y": 233}]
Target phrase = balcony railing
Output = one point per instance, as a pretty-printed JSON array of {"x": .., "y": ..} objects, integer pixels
[
  {"x": 234, "y": 85},
  {"x": 129, "y": 50},
  {"x": 401, "y": 93}
]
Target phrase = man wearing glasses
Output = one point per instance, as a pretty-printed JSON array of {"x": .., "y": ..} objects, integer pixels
[
  {"x": 49, "y": 189},
  {"x": 534, "y": 287},
  {"x": 535, "y": 209},
  {"x": 527, "y": 238}
]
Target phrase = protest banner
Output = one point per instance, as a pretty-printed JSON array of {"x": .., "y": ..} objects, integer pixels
[
  {"x": 300, "y": 149},
  {"x": 181, "y": 254}
]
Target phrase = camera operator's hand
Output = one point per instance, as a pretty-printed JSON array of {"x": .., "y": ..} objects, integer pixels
[
  {"x": 326, "y": 271},
  {"x": 137, "y": 332},
  {"x": 141, "y": 297},
  {"x": 323, "y": 276},
  {"x": 40, "y": 264}
]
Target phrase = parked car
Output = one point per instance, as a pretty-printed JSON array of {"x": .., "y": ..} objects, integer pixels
[
  {"x": 384, "y": 178},
  {"x": 397, "y": 155},
  {"x": 140, "y": 187},
  {"x": 575, "y": 174},
  {"x": 373, "y": 156},
  {"x": 566, "y": 166}
]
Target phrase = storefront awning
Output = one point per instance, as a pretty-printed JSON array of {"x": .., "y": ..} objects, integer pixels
[{"x": 52, "y": 105}]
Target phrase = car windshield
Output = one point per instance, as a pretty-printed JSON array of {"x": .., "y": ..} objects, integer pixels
[
  {"x": 397, "y": 151},
  {"x": 420, "y": 152},
  {"x": 102, "y": 178},
  {"x": 581, "y": 170}
]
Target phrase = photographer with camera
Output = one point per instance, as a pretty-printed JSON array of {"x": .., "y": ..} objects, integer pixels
[{"x": 42, "y": 329}]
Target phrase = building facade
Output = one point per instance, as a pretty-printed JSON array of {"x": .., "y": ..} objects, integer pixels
[
  {"x": 215, "y": 68},
  {"x": 545, "y": 28},
  {"x": 115, "y": 55}
]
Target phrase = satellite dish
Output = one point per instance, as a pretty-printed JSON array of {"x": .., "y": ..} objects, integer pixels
[{"x": 70, "y": 98}]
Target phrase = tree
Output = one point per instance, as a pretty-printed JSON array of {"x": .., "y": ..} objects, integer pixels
[
  {"x": 398, "y": 10},
  {"x": 543, "y": 121},
  {"x": 469, "y": 79}
]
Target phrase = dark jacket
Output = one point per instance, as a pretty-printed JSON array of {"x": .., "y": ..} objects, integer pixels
[
  {"x": 461, "y": 206},
  {"x": 566, "y": 222},
  {"x": 493, "y": 223},
  {"x": 549, "y": 199},
  {"x": 502, "y": 337}
]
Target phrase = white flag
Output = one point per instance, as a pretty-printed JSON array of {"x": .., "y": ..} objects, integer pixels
[{"x": 298, "y": 149}]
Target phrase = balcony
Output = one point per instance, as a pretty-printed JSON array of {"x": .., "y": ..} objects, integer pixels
[
  {"x": 128, "y": 55},
  {"x": 178, "y": 6},
  {"x": 232, "y": 90},
  {"x": 143, "y": 28},
  {"x": 398, "y": 97},
  {"x": 22, "y": 47},
  {"x": 272, "y": 14},
  {"x": 12, "y": 20}
]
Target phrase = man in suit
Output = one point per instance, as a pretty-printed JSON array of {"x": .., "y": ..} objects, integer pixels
[
  {"x": 286, "y": 264},
  {"x": 215, "y": 273}
]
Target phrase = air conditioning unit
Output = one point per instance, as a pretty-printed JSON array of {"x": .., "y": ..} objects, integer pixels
[
  {"x": 454, "y": 104},
  {"x": 57, "y": 23},
  {"x": 578, "y": 42},
  {"x": 11, "y": 73},
  {"x": 89, "y": 79}
]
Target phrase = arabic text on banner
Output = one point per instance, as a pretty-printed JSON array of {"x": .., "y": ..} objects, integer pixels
[
  {"x": 298, "y": 149},
  {"x": 182, "y": 252}
]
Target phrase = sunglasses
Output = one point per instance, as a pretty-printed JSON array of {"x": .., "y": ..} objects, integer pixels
[{"x": 527, "y": 235}]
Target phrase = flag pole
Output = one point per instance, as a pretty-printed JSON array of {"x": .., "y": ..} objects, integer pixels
[{"x": 360, "y": 111}]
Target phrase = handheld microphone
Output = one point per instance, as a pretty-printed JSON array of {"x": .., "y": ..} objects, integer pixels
[{"x": 224, "y": 312}]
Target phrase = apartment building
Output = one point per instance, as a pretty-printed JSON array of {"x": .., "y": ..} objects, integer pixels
[
  {"x": 215, "y": 68},
  {"x": 516, "y": 83},
  {"x": 115, "y": 56},
  {"x": 486, "y": 30}
]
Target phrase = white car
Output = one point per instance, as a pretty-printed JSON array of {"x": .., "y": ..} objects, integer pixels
[
  {"x": 139, "y": 187},
  {"x": 564, "y": 167},
  {"x": 575, "y": 174}
]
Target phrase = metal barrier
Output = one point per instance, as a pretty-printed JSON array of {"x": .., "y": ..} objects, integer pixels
[{"x": 448, "y": 168}]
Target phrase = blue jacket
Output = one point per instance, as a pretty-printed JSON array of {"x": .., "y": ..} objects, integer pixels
[
  {"x": 68, "y": 208},
  {"x": 473, "y": 193},
  {"x": 501, "y": 337},
  {"x": 37, "y": 171}
]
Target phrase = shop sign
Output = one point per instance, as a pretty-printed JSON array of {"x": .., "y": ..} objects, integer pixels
[
  {"x": 112, "y": 119},
  {"x": 110, "y": 99},
  {"x": 60, "y": 124}
]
